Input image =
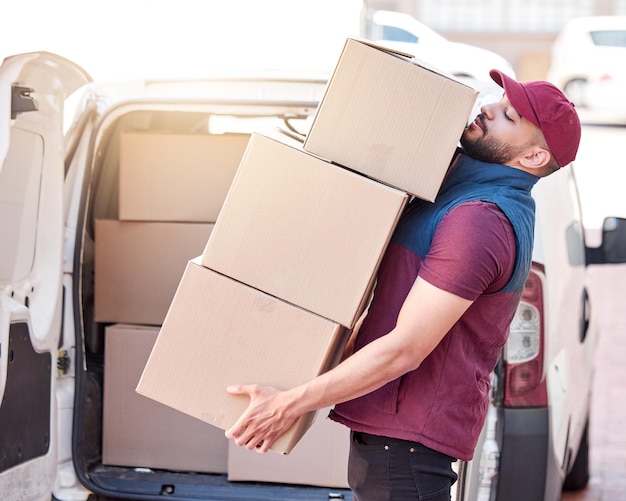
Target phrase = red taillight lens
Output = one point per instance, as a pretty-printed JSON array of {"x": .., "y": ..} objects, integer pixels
[
  {"x": 605, "y": 78},
  {"x": 523, "y": 354}
]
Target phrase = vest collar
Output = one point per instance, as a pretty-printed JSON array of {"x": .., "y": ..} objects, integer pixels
[{"x": 467, "y": 169}]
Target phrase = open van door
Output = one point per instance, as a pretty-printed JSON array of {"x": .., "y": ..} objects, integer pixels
[{"x": 33, "y": 89}]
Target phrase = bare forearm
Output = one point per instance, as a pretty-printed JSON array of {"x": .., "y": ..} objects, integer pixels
[
  {"x": 366, "y": 370},
  {"x": 272, "y": 411},
  {"x": 388, "y": 357}
]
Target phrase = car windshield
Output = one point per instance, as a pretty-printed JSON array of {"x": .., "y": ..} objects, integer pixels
[{"x": 609, "y": 38}]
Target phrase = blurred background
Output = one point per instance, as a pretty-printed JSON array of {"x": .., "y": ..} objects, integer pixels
[
  {"x": 127, "y": 39},
  {"x": 522, "y": 31},
  {"x": 116, "y": 39},
  {"x": 121, "y": 40}
]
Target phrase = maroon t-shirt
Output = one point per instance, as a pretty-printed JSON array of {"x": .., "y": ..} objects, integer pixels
[{"x": 443, "y": 403}]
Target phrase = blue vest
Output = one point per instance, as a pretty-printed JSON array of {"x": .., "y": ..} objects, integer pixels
[{"x": 469, "y": 180}]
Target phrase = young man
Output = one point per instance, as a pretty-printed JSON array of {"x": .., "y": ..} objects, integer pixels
[{"x": 415, "y": 390}]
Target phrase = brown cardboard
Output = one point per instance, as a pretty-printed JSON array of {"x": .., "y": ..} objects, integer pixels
[
  {"x": 390, "y": 118},
  {"x": 304, "y": 230},
  {"x": 176, "y": 177},
  {"x": 321, "y": 458},
  {"x": 219, "y": 332},
  {"x": 139, "y": 432},
  {"x": 138, "y": 266}
]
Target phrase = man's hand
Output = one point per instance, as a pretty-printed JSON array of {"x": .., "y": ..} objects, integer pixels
[{"x": 268, "y": 416}]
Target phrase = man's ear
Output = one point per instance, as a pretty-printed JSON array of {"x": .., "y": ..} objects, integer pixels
[{"x": 536, "y": 158}]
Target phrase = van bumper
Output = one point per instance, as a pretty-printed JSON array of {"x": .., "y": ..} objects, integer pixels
[{"x": 524, "y": 437}]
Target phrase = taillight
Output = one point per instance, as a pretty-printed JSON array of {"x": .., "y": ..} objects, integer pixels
[{"x": 525, "y": 385}]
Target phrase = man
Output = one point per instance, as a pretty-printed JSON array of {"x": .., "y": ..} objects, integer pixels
[{"x": 415, "y": 391}]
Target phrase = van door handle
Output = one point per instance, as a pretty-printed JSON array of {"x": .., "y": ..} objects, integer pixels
[{"x": 585, "y": 316}]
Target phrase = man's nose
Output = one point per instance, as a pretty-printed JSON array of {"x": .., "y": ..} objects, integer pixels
[{"x": 487, "y": 110}]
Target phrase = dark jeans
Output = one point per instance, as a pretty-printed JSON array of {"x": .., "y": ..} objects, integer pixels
[{"x": 389, "y": 469}]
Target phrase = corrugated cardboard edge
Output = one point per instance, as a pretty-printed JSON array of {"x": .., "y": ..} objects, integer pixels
[
  {"x": 302, "y": 425},
  {"x": 411, "y": 58}
]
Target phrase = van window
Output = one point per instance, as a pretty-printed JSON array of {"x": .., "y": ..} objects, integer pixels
[
  {"x": 395, "y": 34},
  {"x": 609, "y": 38}
]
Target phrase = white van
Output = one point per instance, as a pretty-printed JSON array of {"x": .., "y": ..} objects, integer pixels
[{"x": 58, "y": 375}]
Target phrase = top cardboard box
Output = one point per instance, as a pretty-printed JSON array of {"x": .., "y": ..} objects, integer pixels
[{"x": 391, "y": 118}]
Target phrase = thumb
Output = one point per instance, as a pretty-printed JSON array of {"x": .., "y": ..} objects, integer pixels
[
  {"x": 239, "y": 389},
  {"x": 236, "y": 429}
]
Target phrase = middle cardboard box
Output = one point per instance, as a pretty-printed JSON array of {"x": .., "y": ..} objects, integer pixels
[{"x": 304, "y": 230}]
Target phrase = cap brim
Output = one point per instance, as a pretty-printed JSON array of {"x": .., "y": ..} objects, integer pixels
[{"x": 516, "y": 95}]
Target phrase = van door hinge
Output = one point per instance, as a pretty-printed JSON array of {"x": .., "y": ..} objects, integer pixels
[
  {"x": 63, "y": 362},
  {"x": 22, "y": 101}
]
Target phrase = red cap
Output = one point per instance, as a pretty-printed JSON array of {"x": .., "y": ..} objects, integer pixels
[{"x": 547, "y": 107}]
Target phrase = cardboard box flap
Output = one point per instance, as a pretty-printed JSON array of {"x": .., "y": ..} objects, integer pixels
[{"x": 390, "y": 50}]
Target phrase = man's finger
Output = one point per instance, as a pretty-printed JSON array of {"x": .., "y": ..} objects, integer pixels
[
  {"x": 238, "y": 389},
  {"x": 237, "y": 431}
]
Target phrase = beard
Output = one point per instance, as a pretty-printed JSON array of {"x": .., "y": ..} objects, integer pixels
[{"x": 489, "y": 149}]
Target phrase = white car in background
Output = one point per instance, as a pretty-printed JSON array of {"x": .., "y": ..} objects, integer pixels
[
  {"x": 53, "y": 187},
  {"x": 588, "y": 63},
  {"x": 404, "y": 33}
]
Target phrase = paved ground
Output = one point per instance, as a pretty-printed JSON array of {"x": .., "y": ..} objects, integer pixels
[{"x": 608, "y": 418}]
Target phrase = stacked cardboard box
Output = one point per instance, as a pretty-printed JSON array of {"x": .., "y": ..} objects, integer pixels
[
  {"x": 391, "y": 118},
  {"x": 219, "y": 332},
  {"x": 303, "y": 229},
  {"x": 296, "y": 234},
  {"x": 138, "y": 267},
  {"x": 291, "y": 261},
  {"x": 320, "y": 459},
  {"x": 176, "y": 177},
  {"x": 142, "y": 432},
  {"x": 171, "y": 188}
]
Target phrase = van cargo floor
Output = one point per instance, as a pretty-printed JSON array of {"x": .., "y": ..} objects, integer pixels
[{"x": 143, "y": 484}]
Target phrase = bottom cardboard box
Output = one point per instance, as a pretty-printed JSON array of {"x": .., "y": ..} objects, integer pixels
[
  {"x": 321, "y": 459},
  {"x": 219, "y": 332},
  {"x": 139, "y": 432}
]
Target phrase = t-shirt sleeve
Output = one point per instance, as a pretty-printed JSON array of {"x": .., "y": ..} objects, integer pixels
[{"x": 472, "y": 252}]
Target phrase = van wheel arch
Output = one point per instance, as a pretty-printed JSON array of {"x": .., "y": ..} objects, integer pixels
[{"x": 578, "y": 477}]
